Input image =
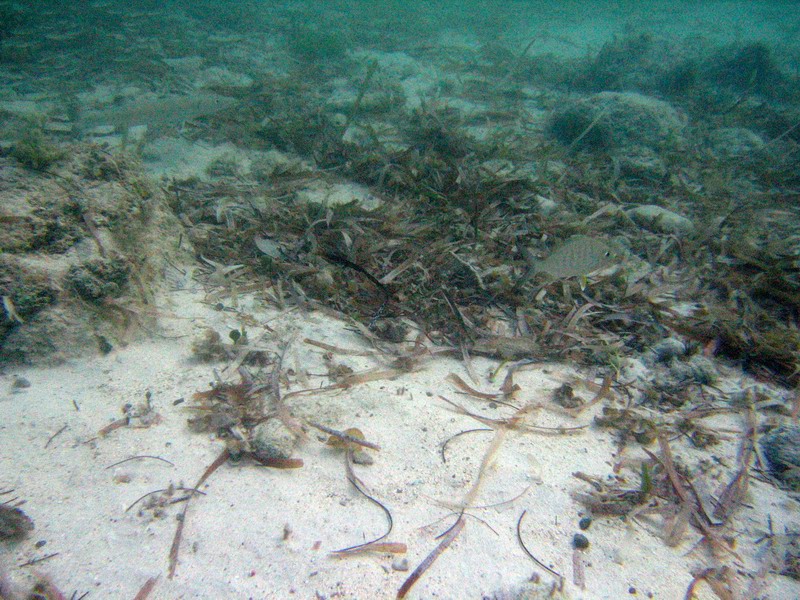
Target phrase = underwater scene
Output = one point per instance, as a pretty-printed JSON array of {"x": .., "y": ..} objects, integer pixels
[{"x": 381, "y": 299}]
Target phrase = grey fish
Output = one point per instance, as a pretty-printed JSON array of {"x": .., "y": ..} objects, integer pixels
[
  {"x": 579, "y": 256},
  {"x": 157, "y": 112}
]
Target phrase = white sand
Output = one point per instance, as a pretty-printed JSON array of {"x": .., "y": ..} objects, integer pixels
[{"x": 232, "y": 543}]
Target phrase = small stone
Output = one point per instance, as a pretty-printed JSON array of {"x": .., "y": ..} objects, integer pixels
[
  {"x": 698, "y": 369},
  {"x": 703, "y": 370},
  {"x": 585, "y": 523},
  {"x": 400, "y": 564},
  {"x": 20, "y": 383},
  {"x": 360, "y": 457},
  {"x": 546, "y": 205},
  {"x": 732, "y": 143},
  {"x": 272, "y": 439},
  {"x": 137, "y": 135},
  {"x": 580, "y": 541},
  {"x": 667, "y": 349}
]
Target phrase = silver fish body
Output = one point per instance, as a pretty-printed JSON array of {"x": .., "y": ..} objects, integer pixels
[
  {"x": 579, "y": 256},
  {"x": 157, "y": 112}
]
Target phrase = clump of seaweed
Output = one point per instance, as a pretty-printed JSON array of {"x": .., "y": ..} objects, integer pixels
[
  {"x": 237, "y": 414},
  {"x": 35, "y": 151},
  {"x": 313, "y": 44},
  {"x": 208, "y": 346},
  {"x": 14, "y": 523}
]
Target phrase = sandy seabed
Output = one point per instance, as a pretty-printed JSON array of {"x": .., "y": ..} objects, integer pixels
[{"x": 266, "y": 533}]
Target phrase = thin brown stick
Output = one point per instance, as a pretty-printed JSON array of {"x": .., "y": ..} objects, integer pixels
[
  {"x": 345, "y": 437},
  {"x": 379, "y": 547},
  {"x": 701, "y": 520},
  {"x": 733, "y": 494},
  {"x": 281, "y": 408},
  {"x": 176, "y": 541},
  {"x": 462, "y": 385},
  {"x": 469, "y": 498},
  {"x": 113, "y": 425},
  {"x": 183, "y": 489},
  {"x": 514, "y": 422},
  {"x": 147, "y": 588},
  {"x": 35, "y": 561},
  {"x": 56, "y": 434},
  {"x": 445, "y": 542},
  {"x": 278, "y": 463},
  {"x": 349, "y": 381},
  {"x": 337, "y": 349}
]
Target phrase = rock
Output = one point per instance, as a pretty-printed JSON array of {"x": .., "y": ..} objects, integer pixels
[
  {"x": 660, "y": 220},
  {"x": 546, "y": 205},
  {"x": 642, "y": 164},
  {"x": 20, "y": 383},
  {"x": 14, "y": 524},
  {"x": 580, "y": 541},
  {"x": 667, "y": 349},
  {"x": 731, "y": 143},
  {"x": 698, "y": 369},
  {"x": 615, "y": 121},
  {"x": 272, "y": 439},
  {"x": 360, "y": 457},
  {"x": 137, "y": 135},
  {"x": 400, "y": 564}
]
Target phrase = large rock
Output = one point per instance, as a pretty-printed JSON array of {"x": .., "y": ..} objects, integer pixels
[
  {"x": 81, "y": 253},
  {"x": 616, "y": 121}
]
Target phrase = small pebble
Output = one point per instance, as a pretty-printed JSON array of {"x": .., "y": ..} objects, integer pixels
[
  {"x": 20, "y": 383},
  {"x": 585, "y": 523},
  {"x": 360, "y": 457},
  {"x": 580, "y": 541},
  {"x": 667, "y": 349},
  {"x": 400, "y": 564}
]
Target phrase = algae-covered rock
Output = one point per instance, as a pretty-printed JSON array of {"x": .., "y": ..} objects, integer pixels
[
  {"x": 618, "y": 121},
  {"x": 36, "y": 151},
  {"x": 272, "y": 439},
  {"x": 99, "y": 278},
  {"x": 82, "y": 250}
]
